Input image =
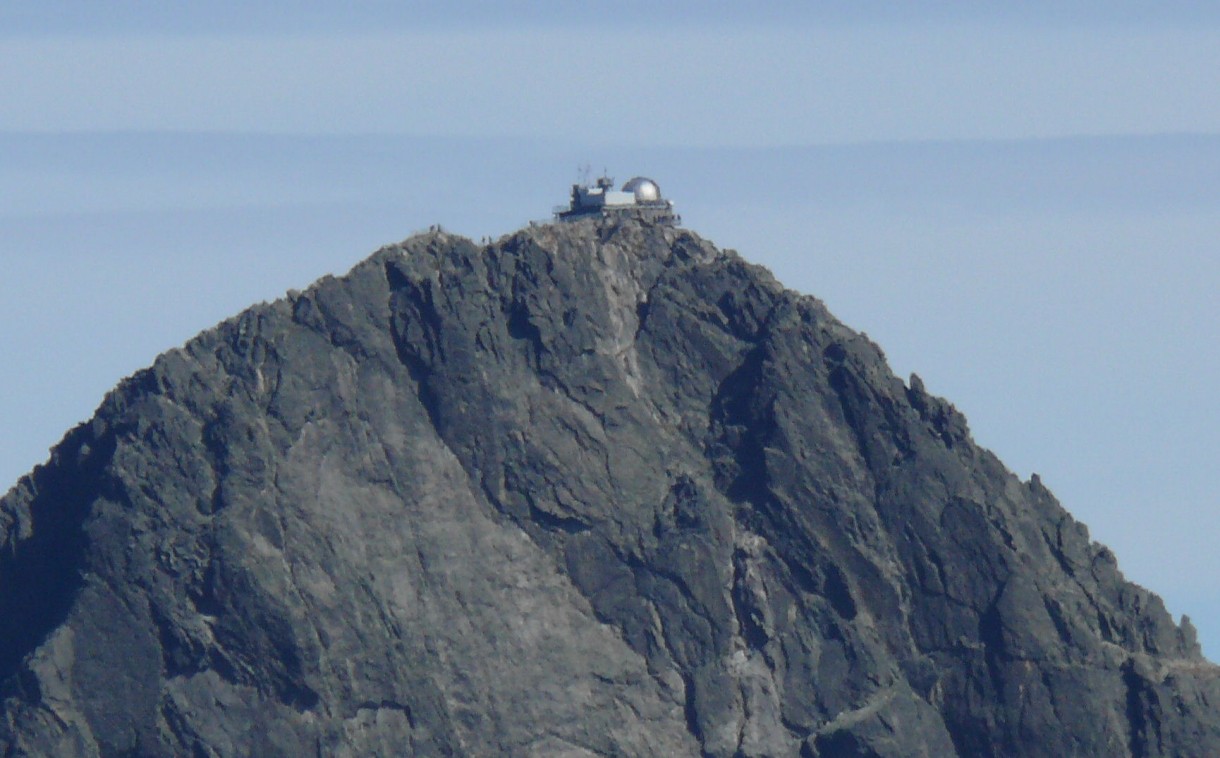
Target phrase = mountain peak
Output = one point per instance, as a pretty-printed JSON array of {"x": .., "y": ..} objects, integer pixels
[{"x": 594, "y": 488}]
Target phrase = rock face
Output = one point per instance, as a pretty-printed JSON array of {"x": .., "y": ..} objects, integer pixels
[{"x": 595, "y": 489}]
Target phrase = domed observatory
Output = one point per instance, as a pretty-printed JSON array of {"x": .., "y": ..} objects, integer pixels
[
  {"x": 640, "y": 197},
  {"x": 644, "y": 189}
]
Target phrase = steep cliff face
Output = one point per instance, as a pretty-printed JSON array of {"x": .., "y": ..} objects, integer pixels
[{"x": 595, "y": 489}]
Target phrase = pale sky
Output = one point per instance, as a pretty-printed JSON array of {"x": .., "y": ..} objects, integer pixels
[{"x": 1019, "y": 202}]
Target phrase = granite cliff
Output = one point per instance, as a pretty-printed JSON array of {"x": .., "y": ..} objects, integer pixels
[{"x": 592, "y": 489}]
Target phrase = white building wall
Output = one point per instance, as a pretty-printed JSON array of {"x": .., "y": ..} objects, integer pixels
[{"x": 620, "y": 198}]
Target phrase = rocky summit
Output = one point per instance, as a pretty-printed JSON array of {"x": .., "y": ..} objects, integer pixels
[{"x": 594, "y": 489}]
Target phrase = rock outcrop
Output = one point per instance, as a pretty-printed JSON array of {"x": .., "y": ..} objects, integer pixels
[{"x": 593, "y": 489}]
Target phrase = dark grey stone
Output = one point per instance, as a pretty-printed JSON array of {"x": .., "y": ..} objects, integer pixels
[{"x": 594, "y": 489}]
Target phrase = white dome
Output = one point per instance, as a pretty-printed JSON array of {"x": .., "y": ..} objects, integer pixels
[{"x": 644, "y": 189}]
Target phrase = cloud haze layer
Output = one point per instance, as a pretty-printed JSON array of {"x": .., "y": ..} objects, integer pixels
[
  {"x": 1020, "y": 205},
  {"x": 713, "y": 85}
]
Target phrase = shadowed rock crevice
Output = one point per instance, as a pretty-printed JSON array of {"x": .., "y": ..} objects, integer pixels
[{"x": 44, "y": 549}]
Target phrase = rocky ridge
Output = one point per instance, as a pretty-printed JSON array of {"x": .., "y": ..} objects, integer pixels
[{"x": 592, "y": 489}]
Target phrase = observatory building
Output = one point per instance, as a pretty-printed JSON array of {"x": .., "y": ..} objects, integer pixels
[{"x": 640, "y": 197}]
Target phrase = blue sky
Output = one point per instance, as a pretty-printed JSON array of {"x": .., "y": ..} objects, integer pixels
[{"x": 1019, "y": 202}]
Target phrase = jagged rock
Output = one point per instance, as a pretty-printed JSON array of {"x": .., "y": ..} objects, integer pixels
[{"x": 593, "y": 489}]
